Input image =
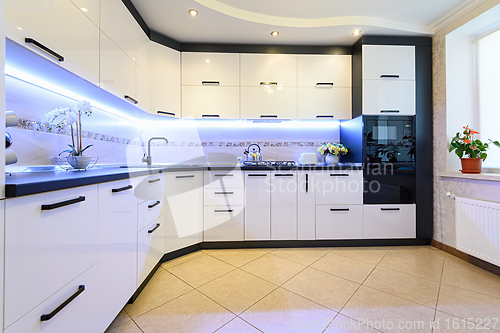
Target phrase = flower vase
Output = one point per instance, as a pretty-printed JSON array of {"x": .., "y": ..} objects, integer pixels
[
  {"x": 78, "y": 162},
  {"x": 471, "y": 165},
  {"x": 332, "y": 159}
]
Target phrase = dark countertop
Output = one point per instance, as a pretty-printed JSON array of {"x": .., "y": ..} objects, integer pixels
[{"x": 24, "y": 183}]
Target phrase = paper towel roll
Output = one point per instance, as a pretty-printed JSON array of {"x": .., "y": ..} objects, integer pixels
[
  {"x": 11, "y": 119},
  {"x": 10, "y": 157}
]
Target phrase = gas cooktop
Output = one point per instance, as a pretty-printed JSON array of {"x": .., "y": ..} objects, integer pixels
[{"x": 269, "y": 163}]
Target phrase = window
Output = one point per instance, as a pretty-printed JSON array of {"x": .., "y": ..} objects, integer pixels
[{"x": 488, "y": 93}]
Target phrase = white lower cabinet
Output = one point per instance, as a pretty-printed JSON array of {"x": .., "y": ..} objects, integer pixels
[
  {"x": 339, "y": 187},
  {"x": 339, "y": 222},
  {"x": 78, "y": 316},
  {"x": 283, "y": 205},
  {"x": 183, "y": 210},
  {"x": 150, "y": 248},
  {"x": 50, "y": 239},
  {"x": 306, "y": 205},
  {"x": 257, "y": 205},
  {"x": 223, "y": 223},
  {"x": 389, "y": 221}
]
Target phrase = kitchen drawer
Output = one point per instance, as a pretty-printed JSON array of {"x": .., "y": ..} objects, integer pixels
[
  {"x": 389, "y": 221},
  {"x": 46, "y": 249},
  {"x": 339, "y": 222},
  {"x": 223, "y": 223},
  {"x": 227, "y": 197},
  {"x": 339, "y": 187},
  {"x": 380, "y": 60},
  {"x": 119, "y": 193},
  {"x": 150, "y": 249},
  {"x": 150, "y": 187},
  {"x": 151, "y": 210},
  {"x": 79, "y": 316},
  {"x": 224, "y": 179},
  {"x": 389, "y": 98}
]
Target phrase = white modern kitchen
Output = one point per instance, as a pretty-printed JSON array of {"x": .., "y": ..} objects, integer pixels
[{"x": 249, "y": 166}]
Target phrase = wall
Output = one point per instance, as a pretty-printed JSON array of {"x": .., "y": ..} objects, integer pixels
[{"x": 444, "y": 207}]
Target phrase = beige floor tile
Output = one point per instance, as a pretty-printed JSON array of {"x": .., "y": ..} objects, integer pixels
[
  {"x": 238, "y": 257},
  {"x": 344, "y": 267},
  {"x": 122, "y": 324},
  {"x": 162, "y": 288},
  {"x": 304, "y": 256},
  {"x": 283, "y": 311},
  {"x": 237, "y": 290},
  {"x": 429, "y": 253},
  {"x": 472, "y": 278},
  {"x": 406, "y": 263},
  {"x": 323, "y": 288},
  {"x": 191, "y": 313},
  {"x": 373, "y": 306},
  {"x": 468, "y": 304},
  {"x": 238, "y": 325},
  {"x": 446, "y": 323},
  {"x": 455, "y": 261},
  {"x": 368, "y": 254},
  {"x": 201, "y": 270},
  {"x": 407, "y": 286},
  {"x": 274, "y": 269},
  {"x": 343, "y": 324},
  {"x": 183, "y": 259}
]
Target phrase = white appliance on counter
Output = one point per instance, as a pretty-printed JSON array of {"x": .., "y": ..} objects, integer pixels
[{"x": 308, "y": 159}]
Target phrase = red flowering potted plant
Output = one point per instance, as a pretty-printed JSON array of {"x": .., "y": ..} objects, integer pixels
[{"x": 464, "y": 144}]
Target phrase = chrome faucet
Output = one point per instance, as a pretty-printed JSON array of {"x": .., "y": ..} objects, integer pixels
[{"x": 148, "y": 159}]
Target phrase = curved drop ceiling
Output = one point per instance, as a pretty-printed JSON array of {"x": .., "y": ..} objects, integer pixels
[{"x": 300, "y": 22}]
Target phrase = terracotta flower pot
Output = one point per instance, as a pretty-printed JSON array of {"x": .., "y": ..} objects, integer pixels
[{"x": 471, "y": 165}]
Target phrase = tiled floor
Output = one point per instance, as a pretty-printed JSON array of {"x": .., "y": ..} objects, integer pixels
[{"x": 393, "y": 289}]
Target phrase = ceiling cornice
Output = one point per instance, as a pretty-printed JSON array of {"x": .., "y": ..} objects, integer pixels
[{"x": 454, "y": 14}]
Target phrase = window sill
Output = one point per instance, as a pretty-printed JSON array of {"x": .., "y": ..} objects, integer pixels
[{"x": 495, "y": 177}]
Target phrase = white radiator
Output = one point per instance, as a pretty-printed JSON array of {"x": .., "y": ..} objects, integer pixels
[{"x": 478, "y": 228}]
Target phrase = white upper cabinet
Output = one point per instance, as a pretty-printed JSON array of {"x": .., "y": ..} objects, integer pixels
[
  {"x": 210, "y": 102},
  {"x": 314, "y": 70},
  {"x": 213, "y": 69},
  {"x": 388, "y": 97},
  {"x": 388, "y": 62},
  {"x": 324, "y": 101},
  {"x": 268, "y": 102},
  {"x": 59, "y": 26},
  {"x": 142, "y": 89},
  {"x": 165, "y": 80},
  {"x": 91, "y": 9},
  {"x": 273, "y": 69}
]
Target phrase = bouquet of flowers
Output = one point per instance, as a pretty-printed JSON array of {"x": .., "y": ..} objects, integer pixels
[{"x": 332, "y": 149}]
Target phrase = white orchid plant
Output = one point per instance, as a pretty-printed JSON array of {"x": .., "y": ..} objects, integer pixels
[{"x": 63, "y": 117}]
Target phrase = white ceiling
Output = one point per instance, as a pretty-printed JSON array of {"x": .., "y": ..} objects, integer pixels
[{"x": 300, "y": 22}]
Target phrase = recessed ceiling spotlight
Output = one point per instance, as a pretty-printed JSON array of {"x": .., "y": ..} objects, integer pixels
[
  {"x": 83, "y": 9},
  {"x": 19, "y": 28},
  {"x": 193, "y": 12},
  {"x": 275, "y": 33},
  {"x": 356, "y": 32}
]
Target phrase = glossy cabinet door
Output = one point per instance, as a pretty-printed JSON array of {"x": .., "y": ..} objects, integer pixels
[
  {"x": 56, "y": 233},
  {"x": 199, "y": 68},
  {"x": 258, "y": 69},
  {"x": 306, "y": 205},
  {"x": 91, "y": 9},
  {"x": 389, "y": 97},
  {"x": 283, "y": 205},
  {"x": 321, "y": 68},
  {"x": 324, "y": 101},
  {"x": 388, "y": 62},
  {"x": 165, "y": 87},
  {"x": 210, "y": 102},
  {"x": 78, "y": 316},
  {"x": 150, "y": 248},
  {"x": 257, "y": 205},
  {"x": 61, "y": 27},
  {"x": 339, "y": 187},
  {"x": 117, "y": 250},
  {"x": 143, "y": 89},
  {"x": 389, "y": 221},
  {"x": 223, "y": 223},
  {"x": 339, "y": 222},
  {"x": 268, "y": 102},
  {"x": 183, "y": 210}
]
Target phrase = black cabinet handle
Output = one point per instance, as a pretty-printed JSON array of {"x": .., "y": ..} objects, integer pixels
[
  {"x": 154, "y": 205},
  {"x": 210, "y": 83},
  {"x": 63, "y": 203},
  {"x": 117, "y": 190},
  {"x": 154, "y": 180},
  {"x": 307, "y": 182},
  {"x": 223, "y": 210},
  {"x": 284, "y": 175},
  {"x": 187, "y": 176},
  {"x": 133, "y": 100},
  {"x": 324, "y": 116},
  {"x": 339, "y": 209},
  {"x": 389, "y": 111},
  {"x": 330, "y": 84},
  {"x": 223, "y": 192},
  {"x": 222, "y": 175},
  {"x": 269, "y": 83},
  {"x": 210, "y": 116},
  {"x": 390, "y": 208},
  {"x": 49, "y": 316},
  {"x": 268, "y": 116},
  {"x": 387, "y": 76},
  {"x": 44, "y": 48},
  {"x": 166, "y": 113},
  {"x": 257, "y": 175},
  {"x": 339, "y": 175},
  {"x": 153, "y": 230}
]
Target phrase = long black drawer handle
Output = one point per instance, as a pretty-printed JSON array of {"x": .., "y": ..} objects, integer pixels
[
  {"x": 325, "y": 84},
  {"x": 154, "y": 180},
  {"x": 284, "y": 175},
  {"x": 389, "y": 111},
  {"x": 268, "y": 116},
  {"x": 187, "y": 176},
  {"x": 307, "y": 182},
  {"x": 390, "y": 208},
  {"x": 44, "y": 48},
  {"x": 228, "y": 175},
  {"x": 210, "y": 116},
  {"x": 133, "y": 100},
  {"x": 339, "y": 175},
  {"x": 63, "y": 203},
  {"x": 116, "y": 190},
  {"x": 223, "y": 211},
  {"x": 324, "y": 116},
  {"x": 166, "y": 113},
  {"x": 257, "y": 175},
  {"x": 49, "y": 316},
  {"x": 154, "y": 205},
  {"x": 223, "y": 192},
  {"x": 210, "y": 83},
  {"x": 386, "y": 76},
  {"x": 339, "y": 209},
  {"x": 269, "y": 83},
  {"x": 153, "y": 230}
]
